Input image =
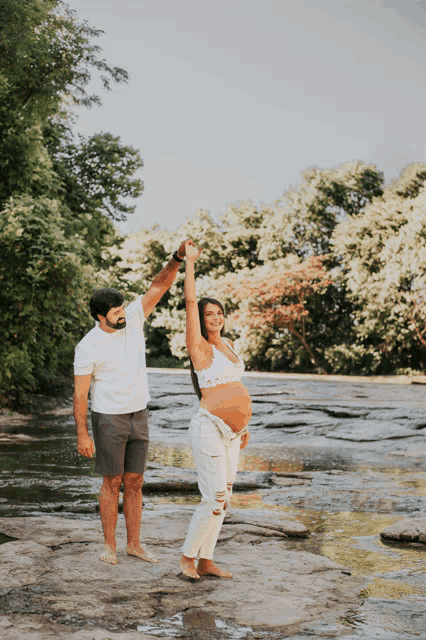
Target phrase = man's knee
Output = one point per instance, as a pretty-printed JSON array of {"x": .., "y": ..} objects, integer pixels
[
  {"x": 133, "y": 481},
  {"x": 113, "y": 483}
]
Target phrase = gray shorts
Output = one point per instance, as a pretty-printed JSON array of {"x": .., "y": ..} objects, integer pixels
[{"x": 121, "y": 442}]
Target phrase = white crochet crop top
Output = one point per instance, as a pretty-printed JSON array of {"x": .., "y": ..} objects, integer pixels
[{"x": 221, "y": 370}]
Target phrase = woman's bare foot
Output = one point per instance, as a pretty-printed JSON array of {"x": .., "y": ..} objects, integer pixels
[
  {"x": 207, "y": 568},
  {"x": 188, "y": 568},
  {"x": 108, "y": 555},
  {"x": 140, "y": 552}
]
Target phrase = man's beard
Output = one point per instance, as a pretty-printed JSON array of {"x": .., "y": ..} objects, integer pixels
[{"x": 120, "y": 324}]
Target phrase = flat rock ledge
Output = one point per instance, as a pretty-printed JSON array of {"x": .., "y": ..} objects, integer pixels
[
  {"x": 10, "y": 421},
  {"x": 409, "y": 530},
  {"x": 53, "y": 585},
  {"x": 174, "y": 479}
]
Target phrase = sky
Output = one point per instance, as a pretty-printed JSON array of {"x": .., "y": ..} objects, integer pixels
[{"x": 232, "y": 100}]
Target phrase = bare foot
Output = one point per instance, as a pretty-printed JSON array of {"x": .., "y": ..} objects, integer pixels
[
  {"x": 140, "y": 552},
  {"x": 187, "y": 566},
  {"x": 108, "y": 556},
  {"x": 207, "y": 568}
]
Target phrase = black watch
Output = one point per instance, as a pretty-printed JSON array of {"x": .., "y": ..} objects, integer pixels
[{"x": 176, "y": 257}]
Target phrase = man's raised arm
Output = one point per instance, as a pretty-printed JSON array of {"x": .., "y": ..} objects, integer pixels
[{"x": 163, "y": 280}]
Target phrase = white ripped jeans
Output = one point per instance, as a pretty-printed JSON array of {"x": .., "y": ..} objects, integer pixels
[{"x": 216, "y": 459}]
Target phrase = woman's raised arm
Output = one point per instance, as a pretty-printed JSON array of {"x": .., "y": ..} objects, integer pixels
[{"x": 194, "y": 339}]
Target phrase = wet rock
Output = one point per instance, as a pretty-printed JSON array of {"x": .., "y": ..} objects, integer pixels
[
  {"x": 371, "y": 491},
  {"x": 16, "y": 438},
  {"x": 166, "y": 479},
  {"x": 59, "y": 411},
  {"x": 50, "y": 531},
  {"x": 174, "y": 417},
  {"x": 10, "y": 419},
  {"x": 305, "y": 475},
  {"x": 417, "y": 453},
  {"x": 370, "y": 431},
  {"x": 295, "y": 418},
  {"x": 30, "y": 627},
  {"x": 410, "y": 530},
  {"x": 22, "y": 563},
  {"x": 287, "y": 482},
  {"x": 170, "y": 479},
  {"x": 400, "y": 414},
  {"x": 290, "y": 528},
  {"x": 345, "y": 412},
  {"x": 68, "y": 583}
]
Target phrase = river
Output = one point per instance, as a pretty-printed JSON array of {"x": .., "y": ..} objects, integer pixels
[{"x": 362, "y": 444}]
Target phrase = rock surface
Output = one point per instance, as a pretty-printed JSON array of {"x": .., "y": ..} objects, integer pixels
[
  {"x": 175, "y": 480},
  {"x": 370, "y": 491},
  {"x": 370, "y": 430},
  {"x": 410, "y": 530},
  {"x": 11, "y": 419},
  {"x": 53, "y": 575}
]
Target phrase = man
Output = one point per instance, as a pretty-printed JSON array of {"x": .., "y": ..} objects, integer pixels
[{"x": 110, "y": 360}]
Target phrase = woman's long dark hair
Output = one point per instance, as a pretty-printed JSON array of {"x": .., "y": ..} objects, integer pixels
[{"x": 201, "y": 304}]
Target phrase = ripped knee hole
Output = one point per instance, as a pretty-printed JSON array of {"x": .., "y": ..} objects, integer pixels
[{"x": 219, "y": 497}]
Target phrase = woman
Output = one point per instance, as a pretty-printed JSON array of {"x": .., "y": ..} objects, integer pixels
[{"x": 219, "y": 429}]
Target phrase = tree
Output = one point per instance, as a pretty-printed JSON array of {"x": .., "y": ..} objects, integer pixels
[
  {"x": 410, "y": 182},
  {"x": 96, "y": 179},
  {"x": 383, "y": 257},
  {"x": 243, "y": 224},
  {"x": 58, "y": 196},
  {"x": 304, "y": 219},
  {"x": 46, "y": 58},
  {"x": 275, "y": 303},
  {"x": 45, "y": 288},
  {"x": 229, "y": 244}
]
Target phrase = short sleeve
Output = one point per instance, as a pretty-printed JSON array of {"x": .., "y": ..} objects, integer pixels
[
  {"x": 135, "y": 311},
  {"x": 83, "y": 362}
]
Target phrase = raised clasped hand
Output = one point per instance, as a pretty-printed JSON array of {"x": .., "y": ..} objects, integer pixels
[
  {"x": 192, "y": 252},
  {"x": 182, "y": 247}
]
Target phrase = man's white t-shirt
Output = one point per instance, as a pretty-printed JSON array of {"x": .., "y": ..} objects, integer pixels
[{"x": 117, "y": 364}]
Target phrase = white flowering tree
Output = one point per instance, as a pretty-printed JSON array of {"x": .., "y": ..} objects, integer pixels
[{"x": 383, "y": 258}]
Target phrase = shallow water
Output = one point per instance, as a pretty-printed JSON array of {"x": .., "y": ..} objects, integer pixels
[{"x": 48, "y": 476}]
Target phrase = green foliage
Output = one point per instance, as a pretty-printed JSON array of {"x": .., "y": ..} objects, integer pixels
[
  {"x": 58, "y": 196},
  {"x": 410, "y": 182},
  {"x": 305, "y": 218},
  {"x": 94, "y": 176},
  {"x": 228, "y": 245},
  {"x": 45, "y": 288},
  {"x": 45, "y": 58},
  {"x": 383, "y": 255},
  {"x": 369, "y": 319}
]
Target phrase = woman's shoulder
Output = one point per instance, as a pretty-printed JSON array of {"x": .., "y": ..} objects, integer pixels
[{"x": 228, "y": 341}]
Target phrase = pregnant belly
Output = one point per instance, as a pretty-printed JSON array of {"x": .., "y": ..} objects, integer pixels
[{"x": 230, "y": 402}]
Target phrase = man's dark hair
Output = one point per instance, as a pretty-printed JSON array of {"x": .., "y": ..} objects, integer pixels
[{"x": 103, "y": 300}]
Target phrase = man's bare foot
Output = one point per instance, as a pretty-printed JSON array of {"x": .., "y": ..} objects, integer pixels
[
  {"x": 108, "y": 555},
  {"x": 140, "y": 552},
  {"x": 188, "y": 568},
  {"x": 207, "y": 568}
]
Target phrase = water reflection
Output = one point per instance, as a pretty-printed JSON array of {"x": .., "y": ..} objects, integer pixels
[
  {"x": 170, "y": 455},
  {"x": 263, "y": 458},
  {"x": 195, "y": 623},
  {"x": 381, "y": 588}
]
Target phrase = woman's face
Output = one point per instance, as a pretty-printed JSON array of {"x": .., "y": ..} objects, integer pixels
[{"x": 213, "y": 318}]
